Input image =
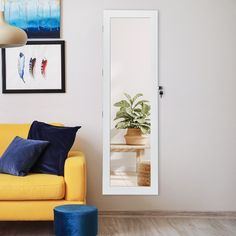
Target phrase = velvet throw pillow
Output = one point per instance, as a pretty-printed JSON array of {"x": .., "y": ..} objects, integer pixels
[
  {"x": 61, "y": 140},
  {"x": 21, "y": 155}
]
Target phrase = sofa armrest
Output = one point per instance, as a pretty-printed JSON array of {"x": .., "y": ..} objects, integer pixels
[{"x": 75, "y": 177}]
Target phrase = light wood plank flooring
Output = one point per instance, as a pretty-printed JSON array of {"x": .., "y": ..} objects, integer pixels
[{"x": 135, "y": 225}]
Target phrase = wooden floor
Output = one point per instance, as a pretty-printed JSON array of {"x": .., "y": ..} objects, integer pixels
[{"x": 135, "y": 225}]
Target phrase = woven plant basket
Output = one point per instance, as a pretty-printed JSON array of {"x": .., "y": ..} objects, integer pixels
[
  {"x": 144, "y": 173},
  {"x": 135, "y": 137}
]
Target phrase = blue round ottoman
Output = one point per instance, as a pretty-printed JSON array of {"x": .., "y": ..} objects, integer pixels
[{"x": 75, "y": 220}]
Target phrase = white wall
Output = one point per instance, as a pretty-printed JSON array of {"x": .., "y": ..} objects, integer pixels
[{"x": 197, "y": 114}]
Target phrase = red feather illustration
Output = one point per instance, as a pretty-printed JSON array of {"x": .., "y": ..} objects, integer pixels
[{"x": 44, "y": 67}]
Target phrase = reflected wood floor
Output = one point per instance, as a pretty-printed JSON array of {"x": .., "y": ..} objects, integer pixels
[
  {"x": 123, "y": 179},
  {"x": 135, "y": 226}
]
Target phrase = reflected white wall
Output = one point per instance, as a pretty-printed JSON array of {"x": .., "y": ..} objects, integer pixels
[{"x": 130, "y": 73}]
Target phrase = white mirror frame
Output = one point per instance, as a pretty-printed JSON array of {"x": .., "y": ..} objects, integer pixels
[{"x": 107, "y": 189}]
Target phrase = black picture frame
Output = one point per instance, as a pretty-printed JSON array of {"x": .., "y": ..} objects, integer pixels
[{"x": 6, "y": 90}]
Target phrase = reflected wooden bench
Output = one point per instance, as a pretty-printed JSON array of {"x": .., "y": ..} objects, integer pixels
[{"x": 138, "y": 149}]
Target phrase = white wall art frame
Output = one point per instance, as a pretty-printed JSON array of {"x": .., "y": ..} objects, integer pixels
[{"x": 124, "y": 66}]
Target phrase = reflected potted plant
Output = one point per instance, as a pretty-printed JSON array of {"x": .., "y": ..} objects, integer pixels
[{"x": 134, "y": 115}]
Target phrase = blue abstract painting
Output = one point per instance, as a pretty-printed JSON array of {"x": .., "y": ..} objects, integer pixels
[{"x": 39, "y": 18}]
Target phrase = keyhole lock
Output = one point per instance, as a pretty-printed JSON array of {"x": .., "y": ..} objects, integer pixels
[{"x": 161, "y": 91}]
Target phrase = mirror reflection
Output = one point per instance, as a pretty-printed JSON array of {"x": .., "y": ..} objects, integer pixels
[{"x": 131, "y": 102}]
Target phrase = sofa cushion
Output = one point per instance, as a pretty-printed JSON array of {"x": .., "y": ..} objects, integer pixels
[
  {"x": 61, "y": 140},
  {"x": 21, "y": 155},
  {"x": 31, "y": 187}
]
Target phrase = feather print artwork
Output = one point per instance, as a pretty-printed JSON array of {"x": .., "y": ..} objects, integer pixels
[
  {"x": 44, "y": 67},
  {"x": 32, "y": 64},
  {"x": 21, "y": 66}
]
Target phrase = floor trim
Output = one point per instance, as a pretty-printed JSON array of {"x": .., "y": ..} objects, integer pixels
[{"x": 208, "y": 214}]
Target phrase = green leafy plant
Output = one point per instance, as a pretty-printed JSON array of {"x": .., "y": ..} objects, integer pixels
[{"x": 133, "y": 113}]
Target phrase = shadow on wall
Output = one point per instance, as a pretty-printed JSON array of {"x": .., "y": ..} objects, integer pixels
[{"x": 93, "y": 155}]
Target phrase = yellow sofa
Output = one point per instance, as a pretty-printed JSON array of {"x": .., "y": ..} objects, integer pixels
[{"x": 34, "y": 196}]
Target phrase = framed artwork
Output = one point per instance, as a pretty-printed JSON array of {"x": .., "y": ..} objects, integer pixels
[
  {"x": 39, "y": 18},
  {"x": 130, "y": 102},
  {"x": 37, "y": 67}
]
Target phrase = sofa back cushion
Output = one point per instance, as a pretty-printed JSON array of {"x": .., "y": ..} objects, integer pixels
[{"x": 9, "y": 131}]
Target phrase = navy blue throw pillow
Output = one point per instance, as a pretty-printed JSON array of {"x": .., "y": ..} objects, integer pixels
[
  {"x": 21, "y": 155},
  {"x": 61, "y": 140}
]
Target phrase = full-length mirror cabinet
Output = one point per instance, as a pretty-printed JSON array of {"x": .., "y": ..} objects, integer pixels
[{"x": 130, "y": 106}]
